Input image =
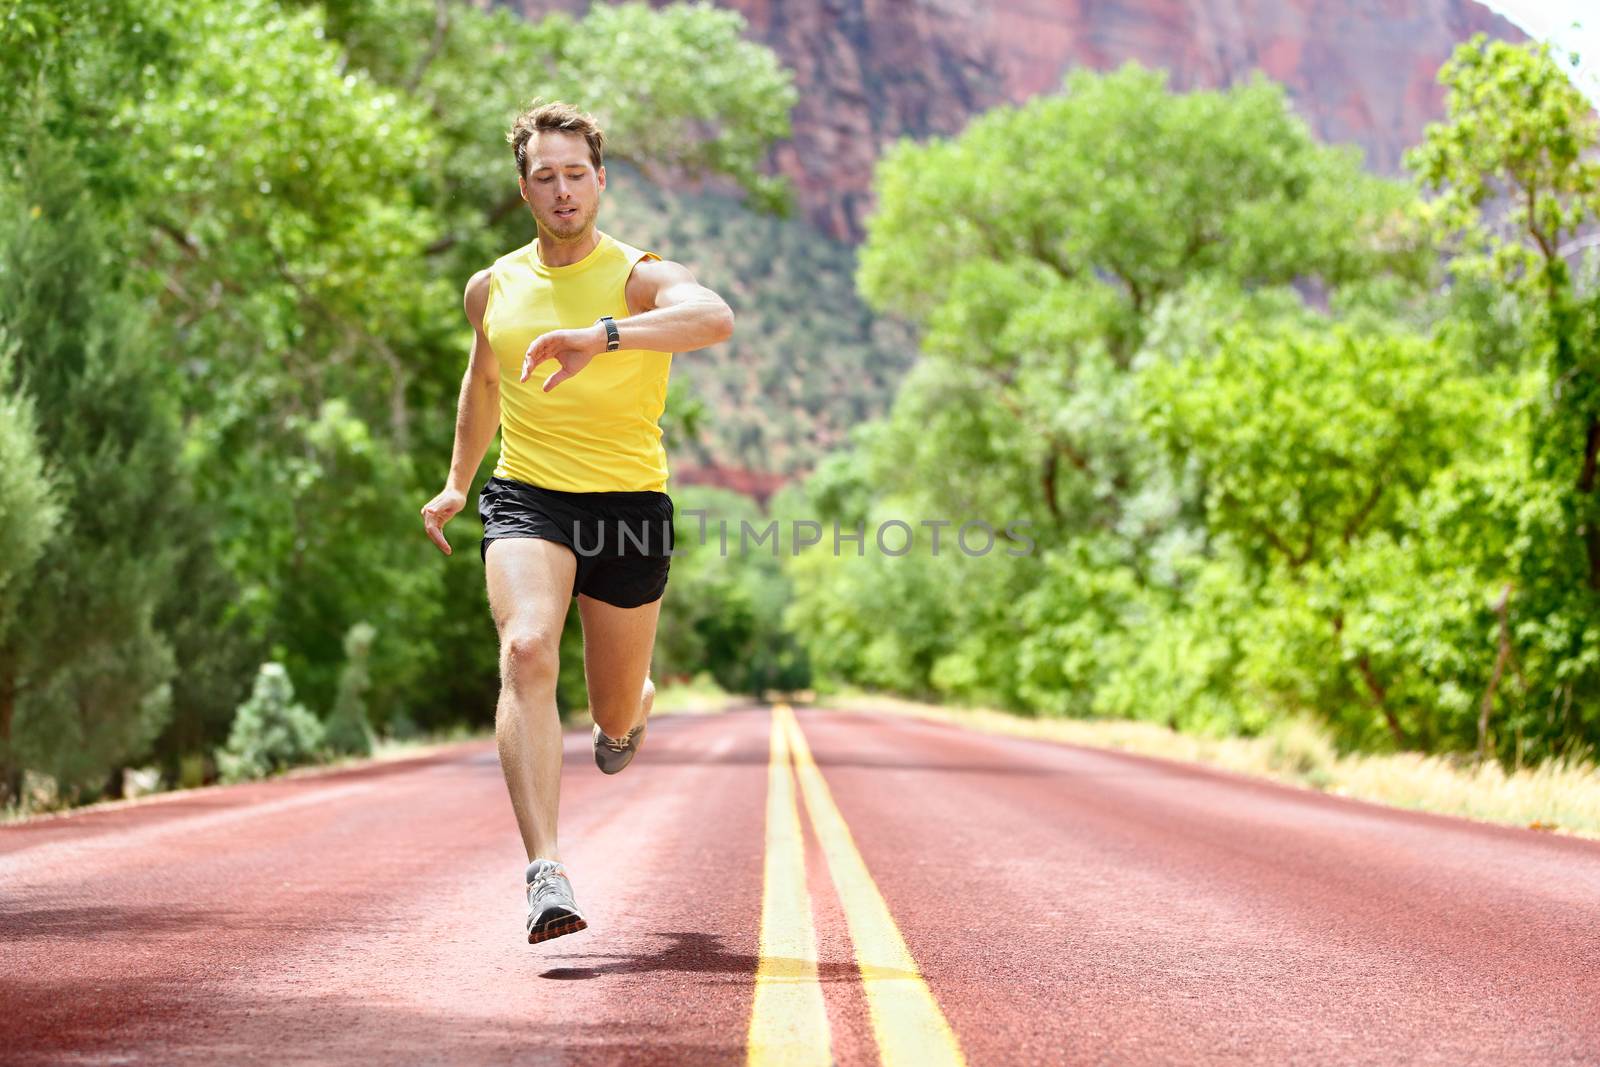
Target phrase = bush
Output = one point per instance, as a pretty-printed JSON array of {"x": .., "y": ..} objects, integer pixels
[
  {"x": 191, "y": 770},
  {"x": 348, "y": 731},
  {"x": 402, "y": 727},
  {"x": 270, "y": 731}
]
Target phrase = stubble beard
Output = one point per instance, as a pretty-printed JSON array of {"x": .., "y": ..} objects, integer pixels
[{"x": 568, "y": 229}]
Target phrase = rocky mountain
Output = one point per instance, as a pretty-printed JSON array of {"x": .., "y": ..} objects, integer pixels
[{"x": 871, "y": 71}]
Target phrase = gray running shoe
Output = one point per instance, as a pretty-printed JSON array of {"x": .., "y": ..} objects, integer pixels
[
  {"x": 551, "y": 909},
  {"x": 611, "y": 754}
]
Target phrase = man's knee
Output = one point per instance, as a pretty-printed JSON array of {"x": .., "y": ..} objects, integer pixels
[{"x": 529, "y": 655}]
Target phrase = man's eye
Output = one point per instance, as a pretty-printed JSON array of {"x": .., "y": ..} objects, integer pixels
[{"x": 546, "y": 181}]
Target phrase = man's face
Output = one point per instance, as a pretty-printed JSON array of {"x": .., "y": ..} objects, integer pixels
[{"x": 560, "y": 184}]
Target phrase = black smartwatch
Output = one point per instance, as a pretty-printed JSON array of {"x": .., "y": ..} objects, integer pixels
[{"x": 613, "y": 339}]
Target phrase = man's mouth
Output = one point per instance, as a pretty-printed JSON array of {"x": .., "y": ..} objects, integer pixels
[{"x": 566, "y": 212}]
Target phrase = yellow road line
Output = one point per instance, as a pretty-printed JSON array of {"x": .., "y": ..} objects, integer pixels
[
  {"x": 906, "y": 1020},
  {"x": 789, "y": 1023}
]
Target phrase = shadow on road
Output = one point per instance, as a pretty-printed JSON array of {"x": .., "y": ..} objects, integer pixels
[
  {"x": 698, "y": 953},
  {"x": 98, "y": 921}
]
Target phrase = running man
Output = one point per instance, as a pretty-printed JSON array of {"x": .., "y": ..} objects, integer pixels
[{"x": 573, "y": 340}]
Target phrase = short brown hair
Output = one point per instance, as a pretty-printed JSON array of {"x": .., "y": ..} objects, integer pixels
[{"x": 553, "y": 116}]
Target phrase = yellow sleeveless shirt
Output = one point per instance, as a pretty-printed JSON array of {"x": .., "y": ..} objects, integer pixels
[{"x": 599, "y": 431}]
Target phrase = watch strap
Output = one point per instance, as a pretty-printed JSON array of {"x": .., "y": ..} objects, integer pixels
[{"x": 613, "y": 338}]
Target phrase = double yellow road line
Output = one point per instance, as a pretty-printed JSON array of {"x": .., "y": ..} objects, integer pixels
[{"x": 789, "y": 1024}]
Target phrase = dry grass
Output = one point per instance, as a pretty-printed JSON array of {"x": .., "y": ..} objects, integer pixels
[{"x": 1560, "y": 797}]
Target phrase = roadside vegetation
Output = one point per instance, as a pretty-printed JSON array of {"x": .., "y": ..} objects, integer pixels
[
  {"x": 233, "y": 241},
  {"x": 1293, "y": 442}
]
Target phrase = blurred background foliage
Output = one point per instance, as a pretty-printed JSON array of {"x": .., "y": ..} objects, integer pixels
[{"x": 1274, "y": 438}]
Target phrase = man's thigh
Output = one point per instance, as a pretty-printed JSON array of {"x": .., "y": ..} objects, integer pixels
[
  {"x": 617, "y": 643},
  {"x": 530, "y": 586}
]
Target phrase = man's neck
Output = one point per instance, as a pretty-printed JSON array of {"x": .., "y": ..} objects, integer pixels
[{"x": 554, "y": 252}]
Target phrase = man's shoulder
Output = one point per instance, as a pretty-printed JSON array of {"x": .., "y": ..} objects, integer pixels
[
  {"x": 516, "y": 255},
  {"x": 480, "y": 284},
  {"x": 476, "y": 298},
  {"x": 631, "y": 253}
]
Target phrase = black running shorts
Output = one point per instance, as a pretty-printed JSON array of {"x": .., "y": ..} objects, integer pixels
[{"x": 622, "y": 541}]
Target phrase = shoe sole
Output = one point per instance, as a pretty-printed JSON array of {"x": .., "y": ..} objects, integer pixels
[
  {"x": 618, "y": 769},
  {"x": 566, "y": 924}
]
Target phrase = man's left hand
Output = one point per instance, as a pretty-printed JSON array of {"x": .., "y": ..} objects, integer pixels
[{"x": 573, "y": 349}]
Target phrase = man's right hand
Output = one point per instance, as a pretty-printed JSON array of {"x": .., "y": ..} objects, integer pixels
[{"x": 440, "y": 510}]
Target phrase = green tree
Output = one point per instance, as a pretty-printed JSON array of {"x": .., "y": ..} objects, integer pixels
[
  {"x": 84, "y": 662},
  {"x": 271, "y": 732},
  {"x": 1307, "y": 448},
  {"x": 1035, "y": 250},
  {"x": 30, "y": 518},
  {"x": 1517, "y": 180},
  {"x": 1304, "y": 444}
]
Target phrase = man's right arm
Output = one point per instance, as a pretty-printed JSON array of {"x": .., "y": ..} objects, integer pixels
[{"x": 477, "y": 417}]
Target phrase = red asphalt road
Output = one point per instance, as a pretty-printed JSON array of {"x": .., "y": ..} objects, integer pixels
[{"x": 1064, "y": 905}]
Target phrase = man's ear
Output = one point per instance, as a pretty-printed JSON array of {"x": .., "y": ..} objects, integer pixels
[
  {"x": 600, "y": 176},
  {"x": 522, "y": 187}
]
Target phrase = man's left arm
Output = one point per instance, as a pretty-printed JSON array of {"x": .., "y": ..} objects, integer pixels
[{"x": 670, "y": 312}]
